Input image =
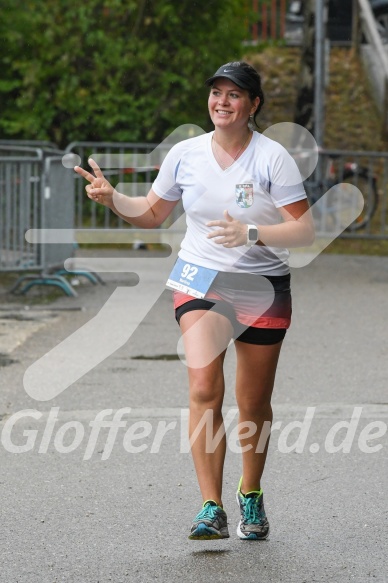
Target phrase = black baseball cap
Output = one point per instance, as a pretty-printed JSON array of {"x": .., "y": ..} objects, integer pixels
[{"x": 242, "y": 74}]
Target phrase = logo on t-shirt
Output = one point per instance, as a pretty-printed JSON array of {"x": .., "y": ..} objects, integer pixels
[{"x": 244, "y": 195}]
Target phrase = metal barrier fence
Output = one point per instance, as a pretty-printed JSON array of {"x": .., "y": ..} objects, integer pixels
[
  {"x": 36, "y": 192},
  {"x": 44, "y": 144},
  {"x": 122, "y": 166},
  {"x": 368, "y": 171},
  {"x": 20, "y": 206}
]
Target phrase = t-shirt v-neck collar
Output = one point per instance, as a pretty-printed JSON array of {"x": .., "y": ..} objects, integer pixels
[{"x": 237, "y": 162}]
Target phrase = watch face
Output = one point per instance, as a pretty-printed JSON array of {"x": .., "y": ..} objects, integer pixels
[{"x": 252, "y": 234}]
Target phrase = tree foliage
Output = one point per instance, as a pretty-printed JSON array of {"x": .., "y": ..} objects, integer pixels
[{"x": 112, "y": 70}]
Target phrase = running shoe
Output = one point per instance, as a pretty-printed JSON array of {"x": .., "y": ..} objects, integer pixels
[
  {"x": 210, "y": 523},
  {"x": 253, "y": 524}
]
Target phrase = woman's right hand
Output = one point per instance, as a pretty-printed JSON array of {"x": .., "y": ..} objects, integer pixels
[{"x": 100, "y": 190}]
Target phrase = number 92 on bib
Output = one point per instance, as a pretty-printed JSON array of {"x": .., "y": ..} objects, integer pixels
[{"x": 190, "y": 279}]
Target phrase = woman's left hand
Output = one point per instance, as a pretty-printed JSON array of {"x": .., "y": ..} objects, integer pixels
[{"x": 232, "y": 233}]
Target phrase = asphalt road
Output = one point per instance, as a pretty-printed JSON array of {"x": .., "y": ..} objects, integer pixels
[{"x": 83, "y": 504}]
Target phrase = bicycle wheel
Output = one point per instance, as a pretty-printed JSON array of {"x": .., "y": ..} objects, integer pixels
[{"x": 367, "y": 184}]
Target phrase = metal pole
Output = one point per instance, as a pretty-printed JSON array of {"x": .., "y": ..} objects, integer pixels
[
  {"x": 319, "y": 76},
  {"x": 356, "y": 27},
  {"x": 384, "y": 132},
  {"x": 319, "y": 82}
]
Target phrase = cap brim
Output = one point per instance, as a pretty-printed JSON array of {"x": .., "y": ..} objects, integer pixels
[{"x": 229, "y": 76}]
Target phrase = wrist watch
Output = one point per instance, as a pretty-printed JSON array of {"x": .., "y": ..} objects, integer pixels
[{"x": 252, "y": 235}]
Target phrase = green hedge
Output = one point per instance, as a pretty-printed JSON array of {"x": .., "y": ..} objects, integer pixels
[{"x": 117, "y": 70}]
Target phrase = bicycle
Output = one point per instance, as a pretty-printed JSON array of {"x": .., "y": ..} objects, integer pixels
[{"x": 338, "y": 208}]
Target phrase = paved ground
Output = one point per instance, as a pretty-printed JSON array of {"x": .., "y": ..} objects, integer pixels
[{"x": 87, "y": 508}]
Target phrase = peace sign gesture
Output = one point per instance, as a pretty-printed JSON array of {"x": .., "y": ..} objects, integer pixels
[{"x": 100, "y": 190}]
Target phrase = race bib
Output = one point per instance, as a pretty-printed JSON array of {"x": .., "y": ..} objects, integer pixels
[{"x": 191, "y": 279}]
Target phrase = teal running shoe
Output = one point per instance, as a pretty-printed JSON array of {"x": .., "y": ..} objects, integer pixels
[
  {"x": 253, "y": 524},
  {"x": 210, "y": 523}
]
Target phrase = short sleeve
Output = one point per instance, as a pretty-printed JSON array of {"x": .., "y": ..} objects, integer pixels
[
  {"x": 165, "y": 184},
  {"x": 285, "y": 180}
]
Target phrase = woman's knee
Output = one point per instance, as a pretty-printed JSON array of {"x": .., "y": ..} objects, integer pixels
[
  {"x": 206, "y": 392},
  {"x": 256, "y": 406}
]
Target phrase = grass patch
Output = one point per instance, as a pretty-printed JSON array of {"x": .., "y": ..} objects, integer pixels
[
  {"x": 352, "y": 119},
  {"x": 347, "y": 246}
]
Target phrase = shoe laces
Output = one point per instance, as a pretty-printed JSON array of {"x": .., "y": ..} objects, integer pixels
[
  {"x": 253, "y": 510},
  {"x": 208, "y": 511}
]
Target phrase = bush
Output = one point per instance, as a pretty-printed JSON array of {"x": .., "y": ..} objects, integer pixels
[{"x": 112, "y": 70}]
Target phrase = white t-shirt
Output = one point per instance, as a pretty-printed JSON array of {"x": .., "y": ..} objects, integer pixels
[{"x": 264, "y": 178}]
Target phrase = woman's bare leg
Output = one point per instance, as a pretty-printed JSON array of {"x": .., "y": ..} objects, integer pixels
[
  {"x": 206, "y": 333},
  {"x": 255, "y": 376}
]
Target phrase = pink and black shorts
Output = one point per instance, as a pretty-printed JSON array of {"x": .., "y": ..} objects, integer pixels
[{"x": 258, "y": 306}]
